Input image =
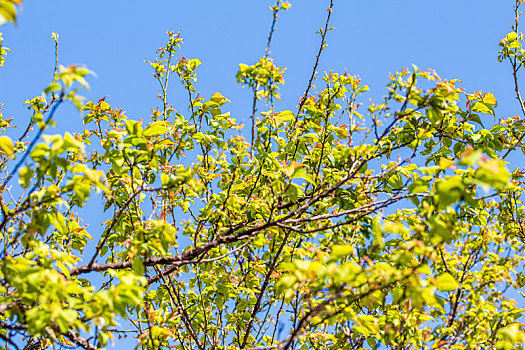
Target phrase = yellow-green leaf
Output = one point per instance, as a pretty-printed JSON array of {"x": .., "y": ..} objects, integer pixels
[
  {"x": 490, "y": 99},
  {"x": 7, "y": 12},
  {"x": 6, "y": 145},
  {"x": 446, "y": 283},
  {"x": 155, "y": 129}
]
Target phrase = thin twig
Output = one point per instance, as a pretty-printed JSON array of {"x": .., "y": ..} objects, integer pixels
[
  {"x": 113, "y": 223},
  {"x": 316, "y": 64}
]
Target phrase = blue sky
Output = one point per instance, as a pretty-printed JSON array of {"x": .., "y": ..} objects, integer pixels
[
  {"x": 459, "y": 39},
  {"x": 371, "y": 39}
]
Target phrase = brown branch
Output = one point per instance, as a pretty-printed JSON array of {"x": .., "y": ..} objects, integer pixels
[
  {"x": 184, "y": 314},
  {"x": 6, "y": 306},
  {"x": 515, "y": 68},
  {"x": 69, "y": 334},
  {"x": 185, "y": 258},
  {"x": 371, "y": 206},
  {"x": 272, "y": 28},
  {"x": 189, "y": 256},
  {"x": 32, "y": 345},
  {"x": 113, "y": 223},
  {"x": 7, "y": 340},
  {"x": 80, "y": 341},
  {"x": 316, "y": 64},
  {"x": 309, "y": 315},
  {"x": 254, "y": 110},
  {"x": 257, "y": 305},
  {"x": 340, "y": 294}
]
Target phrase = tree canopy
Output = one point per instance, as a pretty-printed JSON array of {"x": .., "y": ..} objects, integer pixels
[{"x": 340, "y": 224}]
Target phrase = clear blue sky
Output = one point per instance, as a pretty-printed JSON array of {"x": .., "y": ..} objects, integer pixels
[
  {"x": 459, "y": 39},
  {"x": 371, "y": 39}
]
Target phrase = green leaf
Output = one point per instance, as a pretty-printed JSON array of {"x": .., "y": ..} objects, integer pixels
[
  {"x": 446, "y": 283},
  {"x": 481, "y": 107},
  {"x": 395, "y": 181},
  {"x": 367, "y": 325},
  {"x": 286, "y": 115},
  {"x": 155, "y": 129},
  {"x": 511, "y": 333},
  {"x": 134, "y": 127},
  {"x": 52, "y": 88},
  {"x": 418, "y": 186},
  {"x": 219, "y": 99},
  {"x": 138, "y": 266},
  {"x": 7, "y": 12},
  {"x": 450, "y": 190},
  {"x": 303, "y": 174},
  {"x": 286, "y": 5},
  {"x": 475, "y": 118},
  {"x": 493, "y": 173},
  {"x": 471, "y": 157},
  {"x": 340, "y": 251},
  {"x": 6, "y": 145},
  {"x": 489, "y": 99},
  {"x": 25, "y": 175}
]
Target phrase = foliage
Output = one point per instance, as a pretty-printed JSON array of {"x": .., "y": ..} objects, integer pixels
[
  {"x": 397, "y": 225},
  {"x": 8, "y": 10}
]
